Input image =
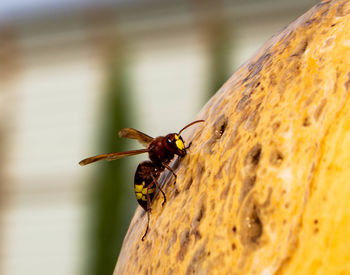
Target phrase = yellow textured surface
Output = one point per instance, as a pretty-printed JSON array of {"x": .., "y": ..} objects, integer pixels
[{"x": 265, "y": 187}]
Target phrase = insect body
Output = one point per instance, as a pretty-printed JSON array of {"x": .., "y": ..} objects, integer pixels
[{"x": 161, "y": 150}]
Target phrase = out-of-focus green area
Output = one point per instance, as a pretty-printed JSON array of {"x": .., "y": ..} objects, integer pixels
[
  {"x": 111, "y": 203},
  {"x": 72, "y": 74}
]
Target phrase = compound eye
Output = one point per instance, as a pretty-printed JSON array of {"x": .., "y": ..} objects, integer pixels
[{"x": 179, "y": 144}]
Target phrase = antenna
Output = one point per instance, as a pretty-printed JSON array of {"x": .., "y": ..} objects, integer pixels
[{"x": 188, "y": 125}]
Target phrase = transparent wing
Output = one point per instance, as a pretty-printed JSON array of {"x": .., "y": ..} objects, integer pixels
[
  {"x": 112, "y": 156},
  {"x": 142, "y": 138}
]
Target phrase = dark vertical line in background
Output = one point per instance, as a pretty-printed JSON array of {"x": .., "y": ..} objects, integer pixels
[
  {"x": 10, "y": 67},
  {"x": 213, "y": 24},
  {"x": 219, "y": 48},
  {"x": 111, "y": 207},
  {"x": 112, "y": 200},
  {"x": 2, "y": 192},
  {"x": 9, "y": 54}
]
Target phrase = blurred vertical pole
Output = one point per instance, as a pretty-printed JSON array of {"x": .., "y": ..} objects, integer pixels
[
  {"x": 9, "y": 69},
  {"x": 220, "y": 67},
  {"x": 111, "y": 208},
  {"x": 2, "y": 197},
  {"x": 213, "y": 24}
]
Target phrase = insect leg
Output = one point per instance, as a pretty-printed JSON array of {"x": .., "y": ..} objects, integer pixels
[
  {"x": 170, "y": 169},
  {"x": 144, "y": 235},
  {"x": 160, "y": 189},
  {"x": 189, "y": 145},
  {"x": 148, "y": 215}
]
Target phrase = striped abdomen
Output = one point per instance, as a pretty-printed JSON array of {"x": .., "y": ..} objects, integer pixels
[{"x": 144, "y": 184}]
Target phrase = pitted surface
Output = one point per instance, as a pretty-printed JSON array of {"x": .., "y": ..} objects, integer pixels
[{"x": 263, "y": 189}]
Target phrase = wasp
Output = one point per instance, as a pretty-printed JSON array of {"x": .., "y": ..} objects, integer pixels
[{"x": 161, "y": 150}]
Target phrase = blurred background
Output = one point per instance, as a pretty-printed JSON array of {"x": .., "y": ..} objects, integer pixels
[{"x": 72, "y": 73}]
